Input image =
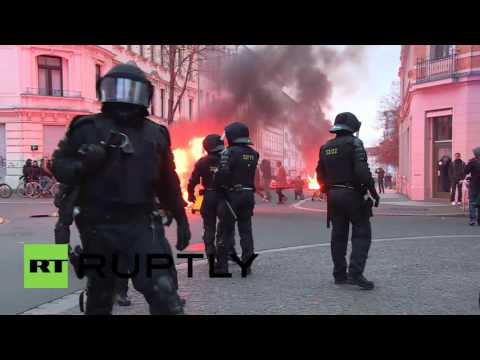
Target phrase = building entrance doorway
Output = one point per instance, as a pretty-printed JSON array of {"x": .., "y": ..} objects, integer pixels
[
  {"x": 442, "y": 156},
  {"x": 442, "y": 161}
]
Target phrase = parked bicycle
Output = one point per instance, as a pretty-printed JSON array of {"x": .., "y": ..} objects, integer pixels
[
  {"x": 5, "y": 191},
  {"x": 21, "y": 188},
  {"x": 34, "y": 190}
]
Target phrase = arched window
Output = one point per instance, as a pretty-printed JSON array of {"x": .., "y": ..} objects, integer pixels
[{"x": 50, "y": 77}]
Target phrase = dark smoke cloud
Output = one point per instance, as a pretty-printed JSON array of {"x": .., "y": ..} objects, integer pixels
[{"x": 255, "y": 79}]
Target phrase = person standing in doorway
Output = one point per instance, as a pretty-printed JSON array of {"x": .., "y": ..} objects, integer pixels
[
  {"x": 456, "y": 172},
  {"x": 443, "y": 167}
]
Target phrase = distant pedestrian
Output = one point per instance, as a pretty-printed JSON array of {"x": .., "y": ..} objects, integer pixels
[
  {"x": 380, "y": 176},
  {"x": 46, "y": 176},
  {"x": 299, "y": 184},
  {"x": 444, "y": 167},
  {"x": 266, "y": 170},
  {"x": 281, "y": 179},
  {"x": 388, "y": 181},
  {"x": 27, "y": 170},
  {"x": 456, "y": 174},
  {"x": 473, "y": 169},
  {"x": 36, "y": 171}
]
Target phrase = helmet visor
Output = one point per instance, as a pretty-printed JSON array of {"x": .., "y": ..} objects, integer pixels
[{"x": 124, "y": 90}]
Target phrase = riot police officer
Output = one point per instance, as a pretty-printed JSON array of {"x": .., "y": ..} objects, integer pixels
[
  {"x": 236, "y": 180},
  {"x": 204, "y": 171},
  {"x": 119, "y": 187},
  {"x": 349, "y": 185}
]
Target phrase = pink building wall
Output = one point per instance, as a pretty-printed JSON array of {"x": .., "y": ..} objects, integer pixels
[
  {"x": 458, "y": 96},
  {"x": 32, "y": 119}
]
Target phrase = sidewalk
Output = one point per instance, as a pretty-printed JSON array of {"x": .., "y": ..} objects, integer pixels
[
  {"x": 394, "y": 204},
  {"x": 298, "y": 281}
]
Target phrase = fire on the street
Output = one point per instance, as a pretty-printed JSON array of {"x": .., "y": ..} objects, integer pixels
[
  {"x": 312, "y": 183},
  {"x": 185, "y": 159}
]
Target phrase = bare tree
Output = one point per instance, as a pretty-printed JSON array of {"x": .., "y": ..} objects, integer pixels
[
  {"x": 389, "y": 117},
  {"x": 183, "y": 64}
]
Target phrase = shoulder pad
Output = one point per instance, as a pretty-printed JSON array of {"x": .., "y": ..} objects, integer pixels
[
  {"x": 164, "y": 130},
  {"x": 78, "y": 121},
  {"x": 357, "y": 142}
]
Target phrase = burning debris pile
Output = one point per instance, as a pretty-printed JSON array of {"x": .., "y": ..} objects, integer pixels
[
  {"x": 187, "y": 146},
  {"x": 257, "y": 83}
]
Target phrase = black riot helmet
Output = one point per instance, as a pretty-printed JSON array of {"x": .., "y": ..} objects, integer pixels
[
  {"x": 126, "y": 84},
  {"x": 238, "y": 133},
  {"x": 213, "y": 143},
  {"x": 346, "y": 122}
]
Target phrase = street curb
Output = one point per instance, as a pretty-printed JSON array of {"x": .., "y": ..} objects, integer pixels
[
  {"x": 56, "y": 306},
  {"x": 299, "y": 207}
]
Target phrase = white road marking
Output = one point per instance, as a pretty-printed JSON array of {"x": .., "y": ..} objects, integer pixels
[
  {"x": 27, "y": 202},
  {"x": 69, "y": 301},
  {"x": 299, "y": 206}
]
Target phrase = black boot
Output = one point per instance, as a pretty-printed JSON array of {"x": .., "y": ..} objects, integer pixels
[
  {"x": 361, "y": 281},
  {"x": 122, "y": 300},
  {"x": 221, "y": 267},
  {"x": 341, "y": 279}
]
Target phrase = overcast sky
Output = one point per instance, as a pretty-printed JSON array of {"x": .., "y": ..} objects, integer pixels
[
  {"x": 358, "y": 88},
  {"x": 369, "y": 83}
]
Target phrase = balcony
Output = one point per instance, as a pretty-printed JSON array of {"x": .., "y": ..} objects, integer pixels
[
  {"x": 52, "y": 92},
  {"x": 435, "y": 69}
]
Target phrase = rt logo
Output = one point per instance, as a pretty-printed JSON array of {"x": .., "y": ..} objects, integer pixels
[{"x": 45, "y": 266}]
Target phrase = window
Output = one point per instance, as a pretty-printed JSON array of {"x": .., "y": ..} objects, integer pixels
[
  {"x": 98, "y": 72},
  {"x": 442, "y": 128},
  {"x": 152, "y": 105},
  {"x": 440, "y": 51},
  {"x": 190, "y": 108},
  {"x": 162, "y": 102},
  {"x": 98, "y": 75},
  {"x": 50, "y": 82},
  {"x": 162, "y": 55}
]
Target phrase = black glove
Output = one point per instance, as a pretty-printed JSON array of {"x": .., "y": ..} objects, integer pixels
[
  {"x": 62, "y": 233},
  {"x": 168, "y": 219},
  {"x": 191, "y": 198},
  {"x": 183, "y": 232},
  {"x": 94, "y": 157}
]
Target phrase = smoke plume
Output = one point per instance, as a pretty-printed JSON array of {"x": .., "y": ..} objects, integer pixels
[{"x": 258, "y": 82}]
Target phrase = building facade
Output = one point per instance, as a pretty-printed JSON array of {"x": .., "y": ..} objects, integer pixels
[
  {"x": 44, "y": 86},
  {"x": 440, "y": 114}
]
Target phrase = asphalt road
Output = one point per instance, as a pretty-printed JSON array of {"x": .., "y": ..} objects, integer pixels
[{"x": 275, "y": 227}]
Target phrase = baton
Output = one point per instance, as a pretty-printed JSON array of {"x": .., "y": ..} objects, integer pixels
[{"x": 231, "y": 209}]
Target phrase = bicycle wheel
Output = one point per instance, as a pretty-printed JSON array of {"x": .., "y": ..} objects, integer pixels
[
  {"x": 5, "y": 191},
  {"x": 20, "y": 191},
  {"x": 33, "y": 190},
  {"x": 54, "y": 189}
]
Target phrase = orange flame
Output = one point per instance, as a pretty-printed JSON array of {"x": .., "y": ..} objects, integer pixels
[
  {"x": 185, "y": 159},
  {"x": 312, "y": 183}
]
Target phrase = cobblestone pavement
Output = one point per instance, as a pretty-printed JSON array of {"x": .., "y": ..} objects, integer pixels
[{"x": 430, "y": 275}]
